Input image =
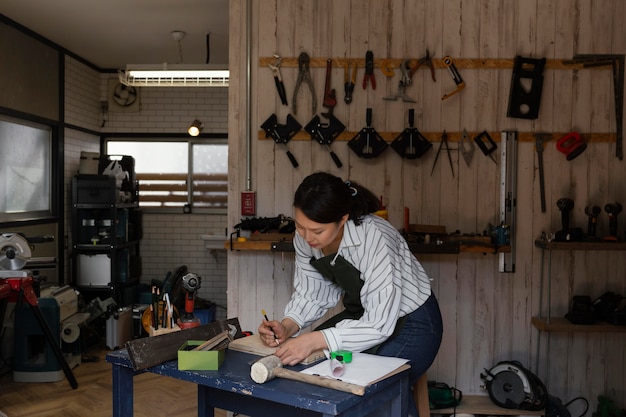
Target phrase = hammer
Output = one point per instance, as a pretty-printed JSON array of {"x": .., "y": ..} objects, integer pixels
[{"x": 267, "y": 368}]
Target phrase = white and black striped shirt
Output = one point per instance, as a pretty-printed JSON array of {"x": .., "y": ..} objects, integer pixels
[{"x": 395, "y": 284}]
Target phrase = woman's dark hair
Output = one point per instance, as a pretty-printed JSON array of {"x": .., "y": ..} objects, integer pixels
[{"x": 325, "y": 198}]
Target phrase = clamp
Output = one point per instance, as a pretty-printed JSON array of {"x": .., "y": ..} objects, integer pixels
[
  {"x": 304, "y": 75},
  {"x": 369, "y": 70},
  {"x": 278, "y": 79},
  {"x": 424, "y": 60},
  {"x": 404, "y": 81}
]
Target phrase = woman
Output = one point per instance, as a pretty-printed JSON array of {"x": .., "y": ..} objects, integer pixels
[{"x": 344, "y": 252}]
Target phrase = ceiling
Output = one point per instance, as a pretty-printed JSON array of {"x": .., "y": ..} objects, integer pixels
[{"x": 113, "y": 33}]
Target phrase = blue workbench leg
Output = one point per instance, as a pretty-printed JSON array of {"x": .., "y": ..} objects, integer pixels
[
  {"x": 204, "y": 407},
  {"x": 122, "y": 391}
]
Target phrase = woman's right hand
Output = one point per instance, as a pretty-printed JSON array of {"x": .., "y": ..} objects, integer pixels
[{"x": 272, "y": 333}]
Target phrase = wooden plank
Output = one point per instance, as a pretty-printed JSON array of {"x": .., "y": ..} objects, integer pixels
[
  {"x": 455, "y": 136},
  {"x": 561, "y": 324},
  {"x": 151, "y": 351},
  {"x": 482, "y": 405},
  {"x": 460, "y": 63}
]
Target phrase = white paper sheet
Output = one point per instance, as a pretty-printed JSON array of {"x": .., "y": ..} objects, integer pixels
[{"x": 363, "y": 370}]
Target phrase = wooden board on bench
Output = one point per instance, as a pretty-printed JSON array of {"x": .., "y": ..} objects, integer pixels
[{"x": 482, "y": 404}]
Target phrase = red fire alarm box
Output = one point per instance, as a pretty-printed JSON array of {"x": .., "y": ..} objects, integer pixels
[{"x": 248, "y": 203}]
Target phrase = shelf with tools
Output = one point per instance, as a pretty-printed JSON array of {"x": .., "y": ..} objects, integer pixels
[
  {"x": 450, "y": 247},
  {"x": 557, "y": 324},
  {"x": 546, "y": 322}
]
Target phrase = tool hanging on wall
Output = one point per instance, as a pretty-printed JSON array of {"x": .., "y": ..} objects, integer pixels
[
  {"x": 456, "y": 77},
  {"x": 278, "y": 79},
  {"x": 369, "y": 70},
  {"x": 349, "y": 81},
  {"x": 526, "y": 84},
  {"x": 443, "y": 144},
  {"x": 402, "y": 84},
  {"x": 282, "y": 133},
  {"x": 427, "y": 59},
  {"x": 386, "y": 67},
  {"x": 617, "y": 64},
  {"x": 304, "y": 76},
  {"x": 571, "y": 145},
  {"x": 466, "y": 147},
  {"x": 540, "y": 140},
  {"x": 410, "y": 143},
  {"x": 330, "y": 100},
  {"x": 368, "y": 143},
  {"x": 486, "y": 145},
  {"x": 508, "y": 197},
  {"x": 326, "y": 133}
]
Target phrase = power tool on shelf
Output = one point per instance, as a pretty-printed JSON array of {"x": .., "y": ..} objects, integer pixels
[{"x": 191, "y": 284}]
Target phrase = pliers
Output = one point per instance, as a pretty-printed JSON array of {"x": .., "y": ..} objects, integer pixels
[
  {"x": 278, "y": 79},
  {"x": 348, "y": 83},
  {"x": 304, "y": 75},
  {"x": 369, "y": 70},
  {"x": 425, "y": 60}
]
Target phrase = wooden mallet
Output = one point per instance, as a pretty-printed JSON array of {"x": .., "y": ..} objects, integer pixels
[{"x": 267, "y": 368}]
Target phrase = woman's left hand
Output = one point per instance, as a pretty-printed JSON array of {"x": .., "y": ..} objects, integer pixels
[{"x": 297, "y": 349}]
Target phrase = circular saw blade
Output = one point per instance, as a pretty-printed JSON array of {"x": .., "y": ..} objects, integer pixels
[{"x": 14, "y": 251}]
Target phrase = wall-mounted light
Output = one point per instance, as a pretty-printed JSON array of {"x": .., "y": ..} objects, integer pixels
[{"x": 195, "y": 128}]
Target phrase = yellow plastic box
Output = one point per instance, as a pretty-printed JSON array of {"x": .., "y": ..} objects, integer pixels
[{"x": 202, "y": 360}]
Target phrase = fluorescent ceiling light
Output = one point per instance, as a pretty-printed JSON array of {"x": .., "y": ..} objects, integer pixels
[{"x": 177, "y": 75}]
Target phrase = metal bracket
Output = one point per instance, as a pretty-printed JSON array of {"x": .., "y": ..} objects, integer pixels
[{"x": 508, "y": 196}]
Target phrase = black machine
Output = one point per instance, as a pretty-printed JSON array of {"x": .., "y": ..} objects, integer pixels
[{"x": 511, "y": 385}]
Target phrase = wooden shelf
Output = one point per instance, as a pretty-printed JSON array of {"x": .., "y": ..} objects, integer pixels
[
  {"x": 561, "y": 324},
  {"x": 459, "y": 246},
  {"x": 543, "y": 244},
  {"x": 482, "y": 404}
]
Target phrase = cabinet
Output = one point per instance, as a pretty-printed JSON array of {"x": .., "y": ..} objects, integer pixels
[
  {"x": 106, "y": 234},
  {"x": 544, "y": 322}
]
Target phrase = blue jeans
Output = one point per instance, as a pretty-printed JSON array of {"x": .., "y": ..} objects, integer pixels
[{"x": 418, "y": 341}]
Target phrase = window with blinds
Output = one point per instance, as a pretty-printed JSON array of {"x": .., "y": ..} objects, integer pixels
[{"x": 184, "y": 174}]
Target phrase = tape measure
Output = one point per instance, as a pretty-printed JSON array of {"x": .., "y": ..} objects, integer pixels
[{"x": 343, "y": 356}]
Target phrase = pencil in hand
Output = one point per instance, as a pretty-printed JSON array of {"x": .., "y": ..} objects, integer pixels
[{"x": 266, "y": 319}]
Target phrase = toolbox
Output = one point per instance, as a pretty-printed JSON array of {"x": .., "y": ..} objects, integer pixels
[{"x": 119, "y": 328}]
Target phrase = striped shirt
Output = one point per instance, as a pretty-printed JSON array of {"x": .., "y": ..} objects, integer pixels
[{"x": 395, "y": 284}]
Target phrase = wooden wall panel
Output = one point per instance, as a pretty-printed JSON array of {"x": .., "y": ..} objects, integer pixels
[{"x": 486, "y": 313}]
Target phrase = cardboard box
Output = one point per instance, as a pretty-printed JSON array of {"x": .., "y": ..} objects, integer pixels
[{"x": 202, "y": 360}]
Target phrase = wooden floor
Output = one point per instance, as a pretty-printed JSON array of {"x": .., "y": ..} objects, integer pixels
[{"x": 154, "y": 395}]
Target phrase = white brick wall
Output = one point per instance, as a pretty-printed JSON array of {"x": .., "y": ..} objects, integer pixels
[{"x": 169, "y": 240}]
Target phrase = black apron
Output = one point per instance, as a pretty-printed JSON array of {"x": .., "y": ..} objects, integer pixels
[{"x": 341, "y": 272}]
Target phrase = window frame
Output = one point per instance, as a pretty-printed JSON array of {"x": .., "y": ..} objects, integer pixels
[
  {"x": 36, "y": 216},
  {"x": 217, "y": 139}
]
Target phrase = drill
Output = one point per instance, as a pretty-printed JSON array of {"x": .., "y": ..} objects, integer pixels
[
  {"x": 191, "y": 284},
  {"x": 567, "y": 234},
  {"x": 592, "y": 223},
  {"x": 612, "y": 209}
]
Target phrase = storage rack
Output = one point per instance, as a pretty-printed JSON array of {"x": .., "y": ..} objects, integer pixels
[{"x": 105, "y": 239}]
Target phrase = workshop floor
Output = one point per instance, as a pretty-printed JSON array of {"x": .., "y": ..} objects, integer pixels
[{"x": 154, "y": 395}]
